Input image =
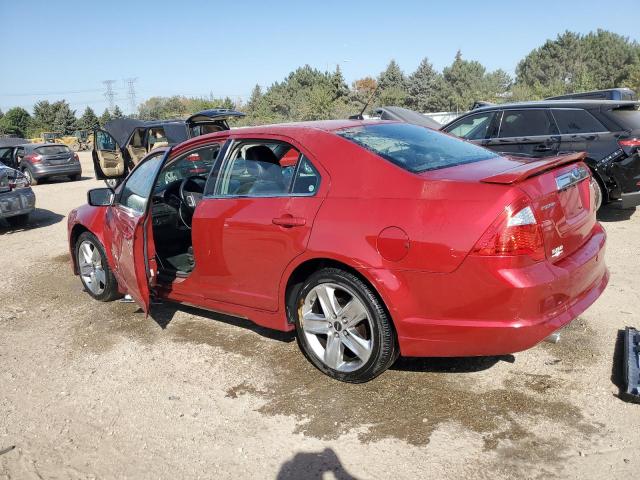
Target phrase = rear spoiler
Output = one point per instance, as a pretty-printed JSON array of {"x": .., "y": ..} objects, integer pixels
[{"x": 533, "y": 168}]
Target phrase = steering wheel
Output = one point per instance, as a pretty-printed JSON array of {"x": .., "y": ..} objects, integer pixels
[{"x": 190, "y": 192}]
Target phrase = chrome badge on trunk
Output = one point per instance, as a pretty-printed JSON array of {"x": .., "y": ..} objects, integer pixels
[{"x": 572, "y": 177}]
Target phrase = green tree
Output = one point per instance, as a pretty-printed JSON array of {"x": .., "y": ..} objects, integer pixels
[
  {"x": 15, "y": 122},
  {"x": 425, "y": 89},
  {"x": 392, "y": 85},
  {"x": 89, "y": 120},
  {"x": 105, "y": 117},
  {"x": 65, "y": 120},
  {"x": 575, "y": 62},
  {"x": 44, "y": 115},
  {"x": 465, "y": 83},
  {"x": 117, "y": 113}
]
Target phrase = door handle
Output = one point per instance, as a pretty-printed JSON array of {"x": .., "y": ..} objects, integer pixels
[
  {"x": 289, "y": 221},
  {"x": 542, "y": 148}
]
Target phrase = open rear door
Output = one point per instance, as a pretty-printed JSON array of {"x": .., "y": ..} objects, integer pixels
[{"x": 108, "y": 161}]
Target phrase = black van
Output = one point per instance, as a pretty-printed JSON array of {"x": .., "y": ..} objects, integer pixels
[{"x": 609, "y": 131}]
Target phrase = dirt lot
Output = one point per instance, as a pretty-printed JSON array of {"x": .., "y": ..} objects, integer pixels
[{"x": 93, "y": 390}]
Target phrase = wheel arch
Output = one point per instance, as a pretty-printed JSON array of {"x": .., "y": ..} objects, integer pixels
[{"x": 305, "y": 268}]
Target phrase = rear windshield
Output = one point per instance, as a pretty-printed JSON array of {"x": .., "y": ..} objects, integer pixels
[
  {"x": 627, "y": 118},
  {"x": 414, "y": 148},
  {"x": 53, "y": 150}
]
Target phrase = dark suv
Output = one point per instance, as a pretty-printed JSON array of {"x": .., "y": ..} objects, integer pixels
[{"x": 609, "y": 131}]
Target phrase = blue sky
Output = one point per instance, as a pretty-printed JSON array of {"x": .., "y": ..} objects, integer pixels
[{"x": 226, "y": 47}]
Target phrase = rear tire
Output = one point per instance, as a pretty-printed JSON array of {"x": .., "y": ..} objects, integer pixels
[
  {"x": 342, "y": 326},
  {"x": 18, "y": 220},
  {"x": 32, "y": 180},
  {"x": 95, "y": 274}
]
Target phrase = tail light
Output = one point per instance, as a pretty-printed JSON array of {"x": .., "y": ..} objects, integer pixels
[
  {"x": 629, "y": 142},
  {"x": 33, "y": 158},
  {"x": 515, "y": 232},
  {"x": 20, "y": 181}
]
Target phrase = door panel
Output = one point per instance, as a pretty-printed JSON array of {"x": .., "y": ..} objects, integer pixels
[
  {"x": 243, "y": 245},
  {"x": 109, "y": 156},
  {"x": 526, "y": 132}
]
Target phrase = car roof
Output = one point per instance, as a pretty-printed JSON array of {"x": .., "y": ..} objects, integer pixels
[
  {"x": 575, "y": 103},
  {"x": 12, "y": 141},
  {"x": 284, "y": 129},
  {"x": 33, "y": 146}
]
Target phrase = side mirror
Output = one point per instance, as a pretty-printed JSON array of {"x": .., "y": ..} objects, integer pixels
[{"x": 100, "y": 197}]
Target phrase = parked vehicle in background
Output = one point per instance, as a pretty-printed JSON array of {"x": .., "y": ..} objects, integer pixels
[
  {"x": 40, "y": 161},
  {"x": 122, "y": 143},
  {"x": 8, "y": 147},
  {"x": 369, "y": 238},
  {"x": 17, "y": 200},
  {"x": 609, "y": 94},
  {"x": 609, "y": 131},
  {"x": 406, "y": 115}
]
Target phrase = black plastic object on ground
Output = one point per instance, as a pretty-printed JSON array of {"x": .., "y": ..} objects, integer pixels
[{"x": 632, "y": 364}]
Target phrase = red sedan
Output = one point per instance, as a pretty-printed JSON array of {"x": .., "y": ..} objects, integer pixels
[{"x": 371, "y": 239}]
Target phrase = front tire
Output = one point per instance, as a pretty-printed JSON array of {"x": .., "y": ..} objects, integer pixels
[
  {"x": 342, "y": 326},
  {"x": 95, "y": 274}
]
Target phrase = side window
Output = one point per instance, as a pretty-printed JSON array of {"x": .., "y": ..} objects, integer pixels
[
  {"x": 19, "y": 155},
  {"x": 105, "y": 141},
  {"x": 137, "y": 187},
  {"x": 473, "y": 127},
  {"x": 307, "y": 178},
  {"x": 577, "y": 121},
  {"x": 5, "y": 156},
  {"x": 526, "y": 123},
  {"x": 157, "y": 138},
  {"x": 194, "y": 163},
  {"x": 258, "y": 169}
]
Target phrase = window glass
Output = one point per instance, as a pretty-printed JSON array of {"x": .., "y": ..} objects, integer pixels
[
  {"x": 53, "y": 150},
  {"x": 105, "y": 141},
  {"x": 473, "y": 127},
  {"x": 526, "y": 123},
  {"x": 414, "y": 148},
  {"x": 255, "y": 169},
  {"x": 5, "y": 155},
  {"x": 307, "y": 179},
  {"x": 137, "y": 187},
  {"x": 196, "y": 163},
  {"x": 577, "y": 121},
  {"x": 627, "y": 117}
]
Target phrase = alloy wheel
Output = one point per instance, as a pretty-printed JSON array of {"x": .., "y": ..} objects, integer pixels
[
  {"x": 91, "y": 269},
  {"x": 337, "y": 327}
]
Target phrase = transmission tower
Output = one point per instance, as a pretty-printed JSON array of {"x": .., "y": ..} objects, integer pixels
[
  {"x": 131, "y": 93},
  {"x": 109, "y": 94}
]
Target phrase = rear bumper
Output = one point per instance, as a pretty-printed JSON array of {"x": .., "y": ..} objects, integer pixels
[
  {"x": 484, "y": 309},
  {"x": 19, "y": 202},
  {"x": 43, "y": 171},
  {"x": 630, "y": 200}
]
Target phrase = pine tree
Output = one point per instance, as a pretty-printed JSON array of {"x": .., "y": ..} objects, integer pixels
[
  {"x": 65, "y": 118},
  {"x": 105, "y": 117},
  {"x": 424, "y": 87},
  {"x": 392, "y": 85},
  {"x": 89, "y": 120},
  {"x": 117, "y": 113}
]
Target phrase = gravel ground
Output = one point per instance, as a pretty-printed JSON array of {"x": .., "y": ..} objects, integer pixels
[{"x": 94, "y": 390}]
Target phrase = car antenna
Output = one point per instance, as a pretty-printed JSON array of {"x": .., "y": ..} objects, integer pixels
[{"x": 359, "y": 115}]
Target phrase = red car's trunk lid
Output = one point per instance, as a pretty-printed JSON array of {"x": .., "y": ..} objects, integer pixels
[{"x": 561, "y": 195}]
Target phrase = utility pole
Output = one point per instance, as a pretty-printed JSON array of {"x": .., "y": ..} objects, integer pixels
[
  {"x": 131, "y": 93},
  {"x": 109, "y": 94}
]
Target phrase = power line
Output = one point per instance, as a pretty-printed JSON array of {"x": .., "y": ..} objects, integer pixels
[
  {"x": 131, "y": 92},
  {"x": 109, "y": 94}
]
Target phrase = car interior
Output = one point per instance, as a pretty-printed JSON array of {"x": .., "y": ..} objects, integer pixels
[{"x": 253, "y": 169}]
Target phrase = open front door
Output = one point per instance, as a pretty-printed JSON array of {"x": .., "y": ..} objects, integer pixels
[
  {"x": 128, "y": 221},
  {"x": 108, "y": 161}
]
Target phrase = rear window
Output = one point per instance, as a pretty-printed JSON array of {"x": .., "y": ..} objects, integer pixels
[
  {"x": 576, "y": 121},
  {"x": 414, "y": 148},
  {"x": 627, "y": 118},
  {"x": 53, "y": 150}
]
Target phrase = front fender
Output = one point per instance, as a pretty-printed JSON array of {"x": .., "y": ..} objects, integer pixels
[{"x": 91, "y": 219}]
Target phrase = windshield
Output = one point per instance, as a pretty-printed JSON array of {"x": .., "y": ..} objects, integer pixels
[
  {"x": 53, "y": 150},
  {"x": 414, "y": 148}
]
